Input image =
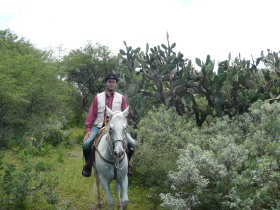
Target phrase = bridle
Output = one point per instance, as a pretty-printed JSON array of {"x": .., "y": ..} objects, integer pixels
[
  {"x": 111, "y": 145},
  {"x": 123, "y": 140}
]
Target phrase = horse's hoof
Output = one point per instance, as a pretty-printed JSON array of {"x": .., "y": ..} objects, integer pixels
[{"x": 99, "y": 206}]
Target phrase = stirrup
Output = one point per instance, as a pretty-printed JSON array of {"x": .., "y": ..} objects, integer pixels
[
  {"x": 86, "y": 172},
  {"x": 130, "y": 170}
]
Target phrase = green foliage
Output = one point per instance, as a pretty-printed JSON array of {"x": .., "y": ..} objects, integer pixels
[
  {"x": 87, "y": 68},
  {"x": 230, "y": 163},
  {"x": 160, "y": 136},
  {"x": 31, "y": 93},
  {"x": 61, "y": 155},
  {"x": 58, "y": 185},
  {"x": 132, "y": 82},
  {"x": 234, "y": 164},
  {"x": 56, "y": 136},
  {"x": 40, "y": 141},
  {"x": 30, "y": 150},
  {"x": 42, "y": 166},
  {"x": 24, "y": 188},
  {"x": 169, "y": 78},
  {"x": 154, "y": 77},
  {"x": 76, "y": 136}
]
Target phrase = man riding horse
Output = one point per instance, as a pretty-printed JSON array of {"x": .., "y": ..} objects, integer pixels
[{"x": 97, "y": 116}]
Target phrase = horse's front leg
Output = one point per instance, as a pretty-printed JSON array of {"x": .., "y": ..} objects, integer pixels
[
  {"x": 106, "y": 184},
  {"x": 97, "y": 181},
  {"x": 124, "y": 187},
  {"x": 118, "y": 188}
]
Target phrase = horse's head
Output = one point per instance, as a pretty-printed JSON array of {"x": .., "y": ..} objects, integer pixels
[{"x": 117, "y": 130}]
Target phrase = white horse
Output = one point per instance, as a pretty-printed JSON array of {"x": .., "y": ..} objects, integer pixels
[{"x": 111, "y": 160}]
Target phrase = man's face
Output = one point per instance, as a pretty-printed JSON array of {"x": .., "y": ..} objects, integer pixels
[{"x": 111, "y": 84}]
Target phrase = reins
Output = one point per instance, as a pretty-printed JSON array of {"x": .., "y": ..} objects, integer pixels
[
  {"x": 117, "y": 163},
  {"x": 107, "y": 161}
]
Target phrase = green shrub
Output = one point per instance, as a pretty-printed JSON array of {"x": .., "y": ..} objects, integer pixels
[
  {"x": 55, "y": 137},
  {"x": 76, "y": 136},
  {"x": 61, "y": 154},
  {"x": 43, "y": 166},
  {"x": 31, "y": 150},
  {"x": 40, "y": 139},
  {"x": 234, "y": 164},
  {"x": 160, "y": 136},
  {"x": 24, "y": 187}
]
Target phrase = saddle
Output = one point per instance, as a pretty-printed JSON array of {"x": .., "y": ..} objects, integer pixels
[
  {"x": 95, "y": 143},
  {"x": 91, "y": 158},
  {"x": 102, "y": 131}
]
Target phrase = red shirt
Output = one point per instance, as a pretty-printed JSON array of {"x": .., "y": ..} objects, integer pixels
[{"x": 92, "y": 115}]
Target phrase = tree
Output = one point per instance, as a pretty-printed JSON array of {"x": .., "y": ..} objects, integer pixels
[
  {"x": 32, "y": 96},
  {"x": 87, "y": 67}
]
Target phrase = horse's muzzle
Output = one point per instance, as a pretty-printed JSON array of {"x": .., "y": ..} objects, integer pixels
[
  {"x": 118, "y": 147},
  {"x": 119, "y": 153}
]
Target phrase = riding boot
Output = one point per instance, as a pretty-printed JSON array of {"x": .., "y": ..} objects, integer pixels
[
  {"x": 130, "y": 167},
  {"x": 88, "y": 166}
]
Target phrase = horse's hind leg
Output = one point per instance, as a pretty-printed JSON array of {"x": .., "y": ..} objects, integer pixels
[{"x": 97, "y": 181}]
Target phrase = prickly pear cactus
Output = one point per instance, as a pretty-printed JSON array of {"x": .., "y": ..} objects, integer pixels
[{"x": 160, "y": 75}]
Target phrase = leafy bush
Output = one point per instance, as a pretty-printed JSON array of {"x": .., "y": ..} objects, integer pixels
[
  {"x": 233, "y": 164},
  {"x": 48, "y": 132},
  {"x": 76, "y": 136},
  {"x": 160, "y": 134},
  {"x": 55, "y": 137},
  {"x": 43, "y": 166},
  {"x": 61, "y": 154},
  {"x": 25, "y": 188}
]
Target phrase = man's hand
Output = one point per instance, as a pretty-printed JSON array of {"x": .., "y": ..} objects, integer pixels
[{"x": 87, "y": 135}]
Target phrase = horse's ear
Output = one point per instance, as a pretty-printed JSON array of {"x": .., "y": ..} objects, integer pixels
[
  {"x": 109, "y": 111},
  {"x": 125, "y": 112}
]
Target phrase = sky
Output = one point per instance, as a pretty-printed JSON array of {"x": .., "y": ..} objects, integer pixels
[{"x": 198, "y": 27}]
